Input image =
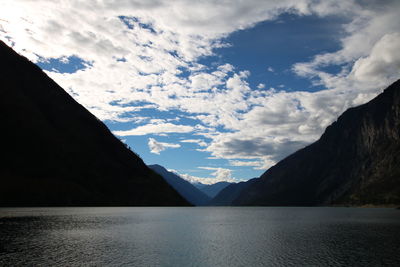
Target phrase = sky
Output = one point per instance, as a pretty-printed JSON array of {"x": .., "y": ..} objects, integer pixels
[{"x": 212, "y": 90}]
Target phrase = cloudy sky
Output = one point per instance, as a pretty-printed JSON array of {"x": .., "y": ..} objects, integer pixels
[{"x": 215, "y": 90}]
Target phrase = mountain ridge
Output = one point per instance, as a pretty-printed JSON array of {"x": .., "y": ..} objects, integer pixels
[
  {"x": 212, "y": 190},
  {"x": 228, "y": 194},
  {"x": 192, "y": 194},
  {"x": 355, "y": 162},
  {"x": 59, "y": 154}
]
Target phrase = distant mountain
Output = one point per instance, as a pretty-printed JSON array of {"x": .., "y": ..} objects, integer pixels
[
  {"x": 185, "y": 188},
  {"x": 56, "y": 153},
  {"x": 227, "y": 195},
  {"x": 355, "y": 162},
  {"x": 198, "y": 185},
  {"x": 212, "y": 190}
]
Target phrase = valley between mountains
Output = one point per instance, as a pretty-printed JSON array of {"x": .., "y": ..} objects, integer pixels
[{"x": 56, "y": 153}]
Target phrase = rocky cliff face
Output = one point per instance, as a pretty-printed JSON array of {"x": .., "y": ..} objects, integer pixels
[
  {"x": 355, "y": 162},
  {"x": 55, "y": 152}
]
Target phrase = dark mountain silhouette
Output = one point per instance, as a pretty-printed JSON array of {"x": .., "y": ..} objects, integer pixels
[
  {"x": 56, "y": 153},
  {"x": 212, "y": 190},
  {"x": 355, "y": 162},
  {"x": 227, "y": 195},
  {"x": 185, "y": 188}
]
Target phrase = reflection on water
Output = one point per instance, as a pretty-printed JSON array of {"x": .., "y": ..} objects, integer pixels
[{"x": 207, "y": 236}]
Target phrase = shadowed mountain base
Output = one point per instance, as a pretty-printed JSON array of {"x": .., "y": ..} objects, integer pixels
[
  {"x": 355, "y": 162},
  {"x": 56, "y": 153}
]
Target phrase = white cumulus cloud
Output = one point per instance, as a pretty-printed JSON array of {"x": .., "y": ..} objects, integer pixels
[
  {"x": 383, "y": 63},
  {"x": 221, "y": 174},
  {"x": 200, "y": 142},
  {"x": 137, "y": 51},
  {"x": 157, "y": 147},
  {"x": 156, "y": 128}
]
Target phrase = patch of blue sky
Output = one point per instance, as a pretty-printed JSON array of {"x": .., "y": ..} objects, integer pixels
[
  {"x": 130, "y": 22},
  {"x": 121, "y": 59},
  {"x": 187, "y": 157},
  {"x": 173, "y": 53},
  {"x": 336, "y": 69},
  {"x": 222, "y": 129},
  {"x": 174, "y": 116},
  {"x": 269, "y": 49},
  {"x": 184, "y": 72},
  {"x": 64, "y": 64}
]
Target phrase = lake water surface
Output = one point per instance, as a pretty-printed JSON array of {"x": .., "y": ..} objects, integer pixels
[{"x": 209, "y": 236}]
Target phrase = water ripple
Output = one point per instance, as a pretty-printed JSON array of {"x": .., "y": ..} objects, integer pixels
[{"x": 199, "y": 237}]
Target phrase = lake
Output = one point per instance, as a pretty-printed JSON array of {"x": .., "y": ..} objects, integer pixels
[{"x": 200, "y": 236}]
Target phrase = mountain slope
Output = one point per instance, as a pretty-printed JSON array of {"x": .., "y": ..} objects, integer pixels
[
  {"x": 355, "y": 162},
  {"x": 227, "y": 195},
  {"x": 183, "y": 187},
  {"x": 212, "y": 190},
  {"x": 57, "y": 153}
]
